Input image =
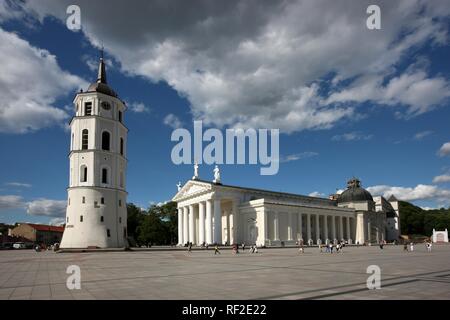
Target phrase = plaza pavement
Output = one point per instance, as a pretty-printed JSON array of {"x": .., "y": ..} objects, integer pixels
[{"x": 269, "y": 274}]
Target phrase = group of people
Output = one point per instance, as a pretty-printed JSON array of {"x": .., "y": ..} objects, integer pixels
[
  {"x": 235, "y": 248},
  {"x": 331, "y": 246},
  {"x": 253, "y": 248},
  {"x": 428, "y": 246}
]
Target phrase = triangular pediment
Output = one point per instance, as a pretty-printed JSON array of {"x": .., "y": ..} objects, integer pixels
[{"x": 192, "y": 188}]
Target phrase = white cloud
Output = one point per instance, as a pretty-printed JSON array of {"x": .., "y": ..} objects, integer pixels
[
  {"x": 422, "y": 134},
  {"x": 138, "y": 107},
  {"x": 261, "y": 64},
  {"x": 419, "y": 192},
  {"x": 46, "y": 207},
  {"x": 11, "y": 202},
  {"x": 173, "y": 121},
  {"x": 352, "y": 136},
  {"x": 158, "y": 204},
  {"x": 57, "y": 221},
  {"x": 92, "y": 62},
  {"x": 441, "y": 179},
  {"x": 298, "y": 156},
  {"x": 428, "y": 208},
  {"x": 18, "y": 184},
  {"x": 30, "y": 83},
  {"x": 412, "y": 89},
  {"x": 445, "y": 149},
  {"x": 316, "y": 194}
]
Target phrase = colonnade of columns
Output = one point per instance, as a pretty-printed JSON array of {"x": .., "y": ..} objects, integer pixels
[
  {"x": 318, "y": 228},
  {"x": 202, "y": 223}
]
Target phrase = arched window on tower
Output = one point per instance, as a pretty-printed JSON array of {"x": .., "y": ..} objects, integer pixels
[
  {"x": 83, "y": 173},
  {"x": 104, "y": 175},
  {"x": 84, "y": 139},
  {"x": 121, "y": 146},
  {"x": 105, "y": 140}
]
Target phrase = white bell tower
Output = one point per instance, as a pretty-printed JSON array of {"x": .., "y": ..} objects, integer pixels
[{"x": 96, "y": 209}]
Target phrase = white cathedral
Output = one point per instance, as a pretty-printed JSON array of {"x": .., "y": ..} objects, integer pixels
[
  {"x": 208, "y": 212},
  {"x": 96, "y": 214},
  {"x": 211, "y": 212}
]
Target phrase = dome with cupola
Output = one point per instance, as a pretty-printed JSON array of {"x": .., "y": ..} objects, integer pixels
[{"x": 354, "y": 192}]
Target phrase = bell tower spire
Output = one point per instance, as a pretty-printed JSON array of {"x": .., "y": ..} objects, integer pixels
[{"x": 101, "y": 77}]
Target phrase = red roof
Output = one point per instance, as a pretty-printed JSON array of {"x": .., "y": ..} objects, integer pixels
[{"x": 44, "y": 227}]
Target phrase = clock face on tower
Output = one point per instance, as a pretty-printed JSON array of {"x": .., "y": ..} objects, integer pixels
[{"x": 106, "y": 105}]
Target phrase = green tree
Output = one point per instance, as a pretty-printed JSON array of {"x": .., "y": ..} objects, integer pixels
[
  {"x": 158, "y": 226},
  {"x": 135, "y": 218},
  {"x": 151, "y": 231}
]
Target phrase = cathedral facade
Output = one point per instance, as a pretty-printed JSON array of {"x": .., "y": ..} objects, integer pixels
[{"x": 211, "y": 213}]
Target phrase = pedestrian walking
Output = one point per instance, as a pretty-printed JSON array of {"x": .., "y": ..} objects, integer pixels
[
  {"x": 190, "y": 247},
  {"x": 216, "y": 249},
  {"x": 405, "y": 247},
  {"x": 411, "y": 246}
]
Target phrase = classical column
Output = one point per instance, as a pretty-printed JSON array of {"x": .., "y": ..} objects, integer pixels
[
  {"x": 276, "y": 227},
  {"x": 333, "y": 227},
  {"x": 191, "y": 224},
  {"x": 348, "y": 228},
  {"x": 217, "y": 222},
  {"x": 325, "y": 227},
  {"x": 185, "y": 225},
  {"x": 180, "y": 226},
  {"x": 317, "y": 228},
  {"x": 208, "y": 222},
  {"x": 230, "y": 227},
  {"x": 300, "y": 226},
  {"x": 201, "y": 222},
  {"x": 226, "y": 228},
  {"x": 233, "y": 222},
  {"x": 290, "y": 236},
  {"x": 266, "y": 227},
  {"x": 341, "y": 228},
  {"x": 308, "y": 226}
]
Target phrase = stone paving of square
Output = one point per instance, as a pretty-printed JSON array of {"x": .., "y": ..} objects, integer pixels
[{"x": 269, "y": 274}]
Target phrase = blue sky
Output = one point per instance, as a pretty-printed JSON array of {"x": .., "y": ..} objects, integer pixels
[{"x": 348, "y": 101}]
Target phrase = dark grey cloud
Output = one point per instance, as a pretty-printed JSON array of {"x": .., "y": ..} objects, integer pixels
[{"x": 261, "y": 63}]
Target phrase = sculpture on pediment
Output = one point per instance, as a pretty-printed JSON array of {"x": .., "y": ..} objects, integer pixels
[
  {"x": 195, "y": 177},
  {"x": 216, "y": 174}
]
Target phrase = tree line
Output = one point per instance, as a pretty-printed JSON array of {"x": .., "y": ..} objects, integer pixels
[{"x": 417, "y": 221}]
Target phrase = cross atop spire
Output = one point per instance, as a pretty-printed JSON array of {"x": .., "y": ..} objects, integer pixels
[{"x": 101, "y": 77}]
